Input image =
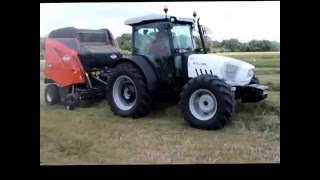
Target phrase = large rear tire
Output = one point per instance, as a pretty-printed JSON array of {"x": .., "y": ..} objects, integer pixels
[
  {"x": 207, "y": 102},
  {"x": 128, "y": 94},
  {"x": 51, "y": 94}
]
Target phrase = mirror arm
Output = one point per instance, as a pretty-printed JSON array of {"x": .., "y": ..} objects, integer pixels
[{"x": 201, "y": 36}]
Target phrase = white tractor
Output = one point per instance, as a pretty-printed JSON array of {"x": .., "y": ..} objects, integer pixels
[{"x": 166, "y": 59}]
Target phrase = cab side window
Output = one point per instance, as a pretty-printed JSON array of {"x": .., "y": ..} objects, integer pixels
[{"x": 144, "y": 36}]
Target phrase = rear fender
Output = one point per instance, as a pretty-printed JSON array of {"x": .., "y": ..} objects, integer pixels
[{"x": 147, "y": 69}]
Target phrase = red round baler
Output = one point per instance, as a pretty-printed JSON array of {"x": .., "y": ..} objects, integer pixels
[{"x": 76, "y": 64}]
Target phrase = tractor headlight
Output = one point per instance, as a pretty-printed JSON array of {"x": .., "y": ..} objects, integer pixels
[{"x": 250, "y": 73}]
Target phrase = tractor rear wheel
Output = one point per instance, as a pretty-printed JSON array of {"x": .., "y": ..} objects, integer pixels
[
  {"x": 207, "y": 102},
  {"x": 51, "y": 94},
  {"x": 128, "y": 94}
]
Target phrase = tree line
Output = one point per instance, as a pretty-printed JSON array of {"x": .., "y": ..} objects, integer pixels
[{"x": 230, "y": 45}]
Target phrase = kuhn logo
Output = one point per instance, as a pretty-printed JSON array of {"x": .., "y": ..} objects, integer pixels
[
  {"x": 66, "y": 58},
  {"x": 113, "y": 56}
]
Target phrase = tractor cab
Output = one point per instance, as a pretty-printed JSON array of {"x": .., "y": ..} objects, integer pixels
[{"x": 166, "y": 41}]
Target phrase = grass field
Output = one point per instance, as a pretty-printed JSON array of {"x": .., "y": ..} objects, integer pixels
[{"x": 91, "y": 134}]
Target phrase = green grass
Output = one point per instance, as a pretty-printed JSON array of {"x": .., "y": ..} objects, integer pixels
[
  {"x": 252, "y": 55},
  {"x": 267, "y": 71},
  {"x": 91, "y": 134},
  {"x": 264, "y": 63},
  {"x": 258, "y": 59},
  {"x": 273, "y": 81}
]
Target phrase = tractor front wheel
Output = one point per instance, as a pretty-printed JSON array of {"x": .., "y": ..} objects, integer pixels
[
  {"x": 128, "y": 94},
  {"x": 207, "y": 102}
]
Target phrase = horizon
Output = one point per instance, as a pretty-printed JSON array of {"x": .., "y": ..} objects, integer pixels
[{"x": 244, "y": 21}]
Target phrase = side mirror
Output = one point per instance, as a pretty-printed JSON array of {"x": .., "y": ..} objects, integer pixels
[
  {"x": 203, "y": 28},
  {"x": 196, "y": 39}
]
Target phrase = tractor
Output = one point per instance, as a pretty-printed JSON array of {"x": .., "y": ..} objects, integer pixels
[{"x": 166, "y": 59}]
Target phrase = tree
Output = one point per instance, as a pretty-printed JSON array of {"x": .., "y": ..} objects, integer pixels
[
  {"x": 275, "y": 46},
  {"x": 216, "y": 44},
  {"x": 125, "y": 41},
  {"x": 42, "y": 40},
  {"x": 233, "y": 45},
  {"x": 254, "y": 46},
  {"x": 245, "y": 47},
  {"x": 263, "y": 45}
]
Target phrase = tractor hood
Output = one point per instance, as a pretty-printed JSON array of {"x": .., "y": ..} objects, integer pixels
[{"x": 234, "y": 71}]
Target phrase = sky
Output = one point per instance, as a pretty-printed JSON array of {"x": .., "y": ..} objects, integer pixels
[{"x": 244, "y": 21}]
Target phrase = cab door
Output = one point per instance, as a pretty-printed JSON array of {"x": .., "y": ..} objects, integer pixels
[{"x": 159, "y": 53}]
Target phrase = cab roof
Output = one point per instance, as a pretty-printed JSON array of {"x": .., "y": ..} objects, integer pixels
[{"x": 152, "y": 17}]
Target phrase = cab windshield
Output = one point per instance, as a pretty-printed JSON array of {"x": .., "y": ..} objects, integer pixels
[
  {"x": 182, "y": 37},
  {"x": 153, "y": 39}
]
